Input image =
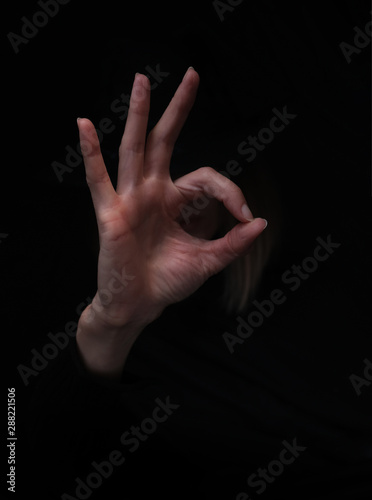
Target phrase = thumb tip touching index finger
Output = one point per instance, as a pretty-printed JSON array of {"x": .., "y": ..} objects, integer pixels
[
  {"x": 236, "y": 243},
  {"x": 244, "y": 234}
]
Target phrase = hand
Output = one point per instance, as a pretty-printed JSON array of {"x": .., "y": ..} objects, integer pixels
[{"x": 147, "y": 259}]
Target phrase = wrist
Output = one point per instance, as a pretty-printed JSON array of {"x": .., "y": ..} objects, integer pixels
[{"x": 103, "y": 344}]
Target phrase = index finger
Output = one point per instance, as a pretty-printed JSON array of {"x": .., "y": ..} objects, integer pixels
[{"x": 207, "y": 181}]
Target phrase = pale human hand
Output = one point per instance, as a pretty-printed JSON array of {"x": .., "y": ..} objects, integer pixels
[{"x": 147, "y": 259}]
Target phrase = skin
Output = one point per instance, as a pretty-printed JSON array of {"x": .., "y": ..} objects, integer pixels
[{"x": 142, "y": 236}]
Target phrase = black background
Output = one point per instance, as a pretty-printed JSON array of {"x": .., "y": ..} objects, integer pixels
[{"x": 263, "y": 55}]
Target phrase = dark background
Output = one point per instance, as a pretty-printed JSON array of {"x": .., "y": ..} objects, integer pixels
[{"x": 263, "y": 55}]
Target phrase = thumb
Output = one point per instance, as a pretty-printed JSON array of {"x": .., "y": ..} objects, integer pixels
[{"x": 221, "y": 252}]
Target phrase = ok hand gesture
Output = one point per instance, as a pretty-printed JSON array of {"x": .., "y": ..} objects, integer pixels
[{"x": 147, "y": 259}]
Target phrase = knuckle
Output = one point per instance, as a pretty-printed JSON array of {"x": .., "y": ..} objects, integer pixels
[
  {"x": 97, "y": 178},
  {"x": 137, "y": 106},
  {"x": 157, "y": 138},
  {"x": 232, "y": 244},
  {"x": 90, "y": 149},
  {"x": 139, "y": 94},
  {"x": 131, "y": 146},
  {"x": 166, "y": 140},
  {"x": 207, "y": 171}
]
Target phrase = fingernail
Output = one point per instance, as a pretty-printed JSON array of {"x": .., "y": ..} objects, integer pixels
[
  {"x": 145, "y": 82},
  {"x": 188, "y": 69},
  {"x": 265, "y": 223},
  {"x": 247, "y": 214}
]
